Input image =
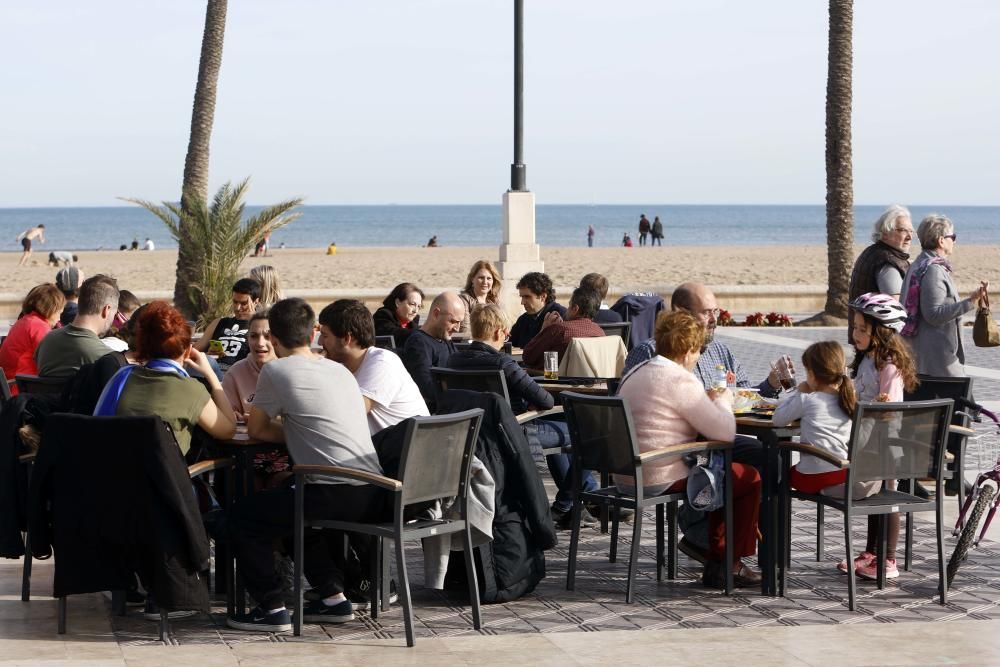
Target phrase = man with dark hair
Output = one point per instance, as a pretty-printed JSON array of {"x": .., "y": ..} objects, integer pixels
[
  {"x": 557, "y": 332},
  {"x": 62, "y": 352},
  {"x": 231, "y": 332},
  {"x": 347, "y": 335},
  {"x": 538, "y": 298},
  {"x": 431, "y": 345},
  {"x": 322, "y": 422},
  {"x": 599, "y": 284}
]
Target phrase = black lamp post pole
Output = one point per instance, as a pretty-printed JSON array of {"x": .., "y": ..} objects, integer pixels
[{"x": 518, "y": 176}]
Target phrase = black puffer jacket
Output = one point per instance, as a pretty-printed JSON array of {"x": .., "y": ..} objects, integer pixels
[
  {"x": 524, "y": 391},
  {"x": 386, "y": 324}
]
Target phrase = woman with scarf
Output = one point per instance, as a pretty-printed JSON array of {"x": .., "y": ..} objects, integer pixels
[
  {"x": 162, "y": 386},
  {"x": 933, "y": 306}
]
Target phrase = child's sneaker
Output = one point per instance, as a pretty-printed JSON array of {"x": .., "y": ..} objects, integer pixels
[
  {"x": 870, "y": 571},
  {"x": 862, "y": 560}
]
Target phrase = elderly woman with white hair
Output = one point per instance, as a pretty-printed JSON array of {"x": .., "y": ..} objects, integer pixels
[{"x": 933, "y": 306}]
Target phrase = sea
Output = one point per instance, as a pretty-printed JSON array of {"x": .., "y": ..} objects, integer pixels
[{"x": 108, "y": 228}]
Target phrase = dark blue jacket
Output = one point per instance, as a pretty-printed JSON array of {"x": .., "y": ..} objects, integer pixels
[
  {"x": 607, "y": 316},
  {"x": 421, "y": 353},
  {"x": 524, "y": 391},
  {"x": 528, "y": 325}
]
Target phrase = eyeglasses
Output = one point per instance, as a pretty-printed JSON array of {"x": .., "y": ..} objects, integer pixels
[
  {"x": 903, "y": 230},
  {"x": 953, "y": 237},
  {"x": 711, "y": 312}
]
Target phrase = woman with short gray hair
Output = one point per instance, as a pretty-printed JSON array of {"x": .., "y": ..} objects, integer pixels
[{"x": 934, "y": 310}]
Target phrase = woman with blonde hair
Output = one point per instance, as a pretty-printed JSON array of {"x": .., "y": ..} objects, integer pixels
[
  {"x": 270, "y": 290},
  {"x": 482, "y": 286}
]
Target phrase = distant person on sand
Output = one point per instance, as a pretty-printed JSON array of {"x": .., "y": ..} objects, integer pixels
[
  {"x": 433, "y": 242},
  {"x": 135, "y": 244},
  {"x": 627, "y": 240},
  {"x": 643, "y": 229},
  {"x": 331, "y": 249},
  {"x": 590, "y": 236},
  {"x": 62, "y": 257},
  {"x": 657, "y": 233},
  {"x": 26, "y": 237},
  {"x": 148, "y": 245}
]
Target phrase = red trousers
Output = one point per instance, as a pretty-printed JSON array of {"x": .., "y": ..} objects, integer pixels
[
  {"x": 746, "y": 509},
  {"x": 815, "y": 482}
]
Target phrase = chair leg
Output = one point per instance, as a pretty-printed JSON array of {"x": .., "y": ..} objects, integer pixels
[
  {"x": 883, "y": 548},
  {"x": 61, "y": 616},
  {"x": 164, "y": 626},
  {"x": 613, "y": 553},
  {"x": 385, "y": 589},
  {"x": 819, "y": 534},
  {"x": 374, "y": 573},
  {"x": 605, "y": 511},
  {"x": 727, "y": 565},
  {"x": 404, "y": 586},
  {"x": 574, "y": 543},
  {"x": 470, "y": 574},
  {"x": 659, "y": 542},
  {"x": 850, "y": 557},
  {"x": 672, "y": 540},
  {"x": 908, "y": 542},
  {"x": 26, "y": 570},
  {"x": 942, "y": 577},
  {"x": 633, "y": 554},
  {"x": 299, "y": 547}
]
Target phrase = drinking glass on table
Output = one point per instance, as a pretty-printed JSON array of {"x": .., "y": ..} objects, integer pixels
[
  {"x": 784, "y": 371},
  {"x": 551, "y": 367}
]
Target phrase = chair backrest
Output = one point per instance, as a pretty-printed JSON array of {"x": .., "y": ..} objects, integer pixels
[
  {"x": 492, "y": 380},
  {"x": 4, "y": 389},
  {"x": 931, "y": 388},
  {"x": 40, "y": 386},
  {"x": 387, "y": 342},
  {"x": 599, "y": 357},
  {"x": 602, "y": 433},
  {"x": 620, "y": 329},
  {"x": 898, "y": 440},
  {"x": 437, "y": 456}
]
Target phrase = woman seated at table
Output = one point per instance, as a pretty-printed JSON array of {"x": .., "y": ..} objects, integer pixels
[
  {"x": 669, "y": 406},
  {"x": 39, "y": 313},
  {"x": 398, "y": 317},
  {"x": 161, "y": 386},
  {"x": 482, "y": 286}
]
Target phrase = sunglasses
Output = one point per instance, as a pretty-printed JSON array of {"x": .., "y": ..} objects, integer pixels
[{"x": 953, "y": 237}]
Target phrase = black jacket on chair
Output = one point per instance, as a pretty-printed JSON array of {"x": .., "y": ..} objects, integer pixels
[
  {"x": 514, "y": 562},
  {"x": 112, "y": 496},
  {"x": 524, "y": 391}
]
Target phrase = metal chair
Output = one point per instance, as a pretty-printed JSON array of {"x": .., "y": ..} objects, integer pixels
[
  {"x": 40, "y": 385},
  {"x": 386, "y": 342},
  {"x": 889, "y": 441},
  {"x": 4, "y": 389},
  {"x": 617, "y": 329},
  {"x": 492, "y": 380},
  {"x": 436, "y": 463},
  {"x": 603, "y": 439}
]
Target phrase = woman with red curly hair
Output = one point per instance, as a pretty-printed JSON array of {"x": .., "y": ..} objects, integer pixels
[{"x": 161, "y": 385}]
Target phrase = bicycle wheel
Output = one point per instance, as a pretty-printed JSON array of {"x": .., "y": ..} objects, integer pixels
[{"x": 968, "y": 535}]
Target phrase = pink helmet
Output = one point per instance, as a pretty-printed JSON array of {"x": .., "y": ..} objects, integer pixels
[{"x": 882, "y": 307}]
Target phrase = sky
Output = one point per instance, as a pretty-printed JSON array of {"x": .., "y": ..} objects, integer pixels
[{"x": 411, "y": 101}]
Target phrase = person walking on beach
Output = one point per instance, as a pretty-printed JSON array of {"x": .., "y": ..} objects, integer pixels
[
  {"x": 26, "y": 237},
  {"x": 657, "y": 232},
  {"x": 590, "y": 236},
  {"x": 643, "y": 229}
]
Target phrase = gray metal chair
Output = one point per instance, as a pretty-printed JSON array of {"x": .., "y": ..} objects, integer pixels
[
  {"x": 472, "y": 380},
  {"x": 4, "y": 389},
  {"x": 40, "y": 385},
  {"x": 603, "y": 439},
  {"x": 386, "y": 342},
  {"x": 618, "y": 329},
  {"x": 889, "y": 441},
  {"x": 436, "y": 462}
]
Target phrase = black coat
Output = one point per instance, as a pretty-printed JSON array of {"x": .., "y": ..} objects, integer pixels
[
  {"x": 514, "y": 562},
  {"x": 386, "y": 324},
  {"x": 111, "y": 496},
  {"x": 528, "y": 325},
  {"x": 524, "y": 391},
  {"x": 421, "y": 353}
]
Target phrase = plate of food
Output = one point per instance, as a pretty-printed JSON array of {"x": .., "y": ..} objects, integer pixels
[{"x": 749, "y": 401}]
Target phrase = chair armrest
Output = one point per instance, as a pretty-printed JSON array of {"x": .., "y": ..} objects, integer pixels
[
  {"x": 26, "y": 458},
  {"x": 812, "y": 450},
  {"x": 960, "y": 430},
  {"x": 202, "y": 467},
  {"x": 683, "y": 448},
  {"x": 528, "y": 415},
  {"x": 350, "y": 473}
]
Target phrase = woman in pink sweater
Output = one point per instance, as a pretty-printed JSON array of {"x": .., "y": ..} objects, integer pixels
[{"x": 669, "y": 406}]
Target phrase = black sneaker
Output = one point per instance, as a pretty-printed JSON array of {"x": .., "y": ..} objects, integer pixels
[
  {"x": 319, "y": 612},
  {"x": 360, "y": 596},
  {"x": 564, "y": 520},
  {"x": 259, "y": 620},
  {"x": 151, "y": 612},
  {"x": 625, "y": 515},
  {"x": 133, "y": 598}
]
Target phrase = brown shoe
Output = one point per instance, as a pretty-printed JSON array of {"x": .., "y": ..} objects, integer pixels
[{"x": 744, "y": 577}]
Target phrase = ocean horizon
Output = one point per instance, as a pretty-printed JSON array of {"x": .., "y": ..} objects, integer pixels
[{"x": 107, "y": 228}]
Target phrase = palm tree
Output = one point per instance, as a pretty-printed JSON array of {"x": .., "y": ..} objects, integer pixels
[
  {"x": 195, "y": 185},
  {"x": 218, "y": 239},
  {"x": 839, "y": 176}
]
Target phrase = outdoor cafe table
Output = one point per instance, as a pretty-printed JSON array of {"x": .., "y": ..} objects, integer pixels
[
  {"x": 597, "y": 388},
  {"x": 772, "y": 522}
]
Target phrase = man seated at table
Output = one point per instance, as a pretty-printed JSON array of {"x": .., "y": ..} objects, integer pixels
[
  {"x": 700, "y": 301},
  {"x": 431, "y": 345},
  {"x": 489, "y": 331},
  {"x": 347, "y": 336},
  {"x": 232, "y": 331},
  {"x": 322, "y": 422},
  {"x": 538, "y": 298},
  {"x": 62, "y": 352},
  {"x": 556, "y": 332},
  {"x": 599, "y": 284}
]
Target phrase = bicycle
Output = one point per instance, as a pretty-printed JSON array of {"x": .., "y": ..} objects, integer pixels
[{"x": 983, "y": 494}]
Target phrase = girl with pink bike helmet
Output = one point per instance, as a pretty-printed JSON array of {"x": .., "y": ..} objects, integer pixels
[{"x": 881, "y": 307}]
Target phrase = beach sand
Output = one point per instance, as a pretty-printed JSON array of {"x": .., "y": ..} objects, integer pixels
[{"x": 381, "y": 268}]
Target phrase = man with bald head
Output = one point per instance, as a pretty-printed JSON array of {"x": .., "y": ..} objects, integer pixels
[{"x": 431, "y": 345}]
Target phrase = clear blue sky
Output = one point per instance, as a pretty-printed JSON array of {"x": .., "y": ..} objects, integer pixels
[{"x": 410, "y": 101}]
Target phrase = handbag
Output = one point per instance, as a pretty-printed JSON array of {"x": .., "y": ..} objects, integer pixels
[
  {"x": 985, "y": 332},
  {"x": 705, "y": 483}
]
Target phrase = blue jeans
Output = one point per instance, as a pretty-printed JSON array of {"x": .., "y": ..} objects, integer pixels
[{"x": 543, "y": 433}]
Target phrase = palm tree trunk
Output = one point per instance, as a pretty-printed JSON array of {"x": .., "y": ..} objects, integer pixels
[
  {"x": 839, "y": 177},
  {"x": 194, "y": 190}
]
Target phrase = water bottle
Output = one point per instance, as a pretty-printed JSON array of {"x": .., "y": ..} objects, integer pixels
[{"x": 721, "y": 377}]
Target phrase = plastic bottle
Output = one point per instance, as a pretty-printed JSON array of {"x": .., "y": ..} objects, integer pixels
[{"x": 721, "y": 377}]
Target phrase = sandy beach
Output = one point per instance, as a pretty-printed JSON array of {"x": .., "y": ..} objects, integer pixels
[{"x": 381, "y": 268}]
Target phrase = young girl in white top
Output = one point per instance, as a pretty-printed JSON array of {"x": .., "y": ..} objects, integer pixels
[{"x": 882, "y": 369}]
